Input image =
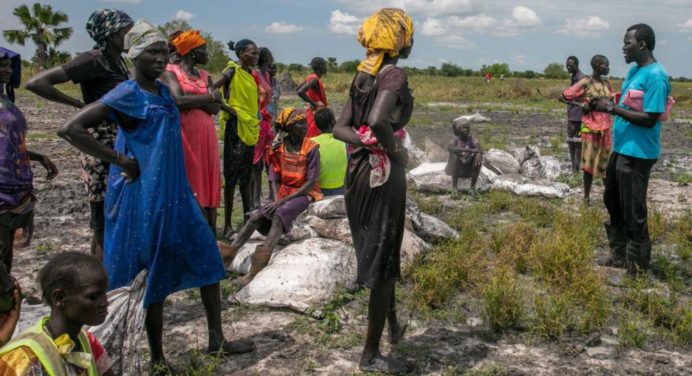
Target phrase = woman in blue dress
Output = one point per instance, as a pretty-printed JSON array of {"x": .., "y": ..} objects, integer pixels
[{"x": 153, "y": 221}]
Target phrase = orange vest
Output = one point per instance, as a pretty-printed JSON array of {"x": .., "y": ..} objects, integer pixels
[{"x": 293, "y": 169}]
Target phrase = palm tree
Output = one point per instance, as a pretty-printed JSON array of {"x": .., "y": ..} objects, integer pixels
[{"x": 41, "y": 27}]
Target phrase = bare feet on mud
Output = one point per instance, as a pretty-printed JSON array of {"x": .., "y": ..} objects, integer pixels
[
  {"x": 240, "y": 346},
  {"x": 384, "y": 364}
]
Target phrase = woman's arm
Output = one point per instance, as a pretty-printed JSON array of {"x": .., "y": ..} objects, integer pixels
[
  {"x": 343, "y": 130},
  {"x": 303, "y": 89},
  {"x": 184, "y": 101},
  {"x": 43, "y": 83},
  {"x": 75, "y": 132},
  {"x": 45, "y": 162}
]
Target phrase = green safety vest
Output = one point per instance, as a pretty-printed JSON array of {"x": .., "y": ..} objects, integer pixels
[
  {"x": 43, "y": 346},
  {"x": 333, "y": 161}
]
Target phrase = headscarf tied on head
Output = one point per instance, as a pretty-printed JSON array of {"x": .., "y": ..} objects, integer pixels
[
  {"x": 104, "y": 22},
  {"x": 142, "y": 35},
  {"x": 386, "y": 31},
  {"x": 15, "y": 79},
  {"x": 288, "y": 117},
  {"x": 188, "y": 41}
]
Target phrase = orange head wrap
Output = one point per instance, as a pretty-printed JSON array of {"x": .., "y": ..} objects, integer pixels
[{"x": 188, "y": 41}]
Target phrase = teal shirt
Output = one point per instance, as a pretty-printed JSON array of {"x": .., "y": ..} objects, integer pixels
[{"x": 634, "y": 140}]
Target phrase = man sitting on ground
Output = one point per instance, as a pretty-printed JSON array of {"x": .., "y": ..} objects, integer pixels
[
  {"x": 465, "y": 157},
  {"x": 294, "y": 171},
  {"x": 333, "y": 157}
]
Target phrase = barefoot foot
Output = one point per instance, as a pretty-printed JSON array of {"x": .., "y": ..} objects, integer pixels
[
  {"x": 231, "y": 347},
  {"x": 384, "y": 364}
]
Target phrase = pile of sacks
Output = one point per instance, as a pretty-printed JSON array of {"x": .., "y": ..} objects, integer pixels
[
  {"x": 319, "y": 258},
  {"x": 522, "y": 171}
]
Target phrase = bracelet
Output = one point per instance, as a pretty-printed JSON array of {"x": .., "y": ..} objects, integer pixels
[{"x": 115, "y": 159}]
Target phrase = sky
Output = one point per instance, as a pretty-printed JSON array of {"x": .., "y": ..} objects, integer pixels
[{"x": 526, "y": 34}]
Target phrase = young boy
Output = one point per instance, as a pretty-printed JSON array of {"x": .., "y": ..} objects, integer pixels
[
  {"x": 294, "y": 172},
  {"x": 465, "y": 156},
  {"x": 74, "y": 286},
  {"x": 333, "y": 157}
]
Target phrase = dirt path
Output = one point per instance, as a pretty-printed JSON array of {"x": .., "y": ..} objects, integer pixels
[{"x": 289, "y": 343}]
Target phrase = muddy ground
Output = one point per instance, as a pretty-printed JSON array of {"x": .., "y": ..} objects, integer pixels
[{"x": 289, "y": 343}]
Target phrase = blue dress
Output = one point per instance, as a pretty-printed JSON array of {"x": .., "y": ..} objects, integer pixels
[{"x": 154, "y": 222}]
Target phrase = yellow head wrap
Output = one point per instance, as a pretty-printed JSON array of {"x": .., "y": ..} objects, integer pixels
[
  {"x": 288, "y": 117},
  {"x": 188, "y": 41},
  {"x": 386, "y": 31}
]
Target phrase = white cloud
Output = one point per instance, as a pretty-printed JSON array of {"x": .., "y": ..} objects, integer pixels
[
  {"x": 343, "y": 23},
  {"x": 183, "y": 15},
  {"x": 686, "y": 26},
  {"x": 525, "y": 18},
  {"x": 475, "y": 22},
  {"x": 590, "y": 27},
  {"x": 417, "y": 7},
  {"x": 433, "y": 27},
  {"x": 282, "y": 27},
  {"x": 457, "y": 41}
]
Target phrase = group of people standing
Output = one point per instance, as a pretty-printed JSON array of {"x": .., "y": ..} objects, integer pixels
[
  {"x": 616, "y": 137},
  {"x": 153, "y": 174}
]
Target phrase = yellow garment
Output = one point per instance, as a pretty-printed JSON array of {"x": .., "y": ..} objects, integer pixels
[
  {"x": 333, "y": 161},
  {"x": 33, "y": 346},
  {"x": 387, "y": 31},
  {"x": 289, "y": 117},
  {"x": 245, "y": 101},
  {"x": 188, "y": 41}
]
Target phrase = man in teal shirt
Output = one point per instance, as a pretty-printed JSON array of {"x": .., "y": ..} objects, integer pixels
[{"x": 636, "y": 147}]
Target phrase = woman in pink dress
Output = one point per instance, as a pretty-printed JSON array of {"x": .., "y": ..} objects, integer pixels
[{"x": 190, "y": 87}]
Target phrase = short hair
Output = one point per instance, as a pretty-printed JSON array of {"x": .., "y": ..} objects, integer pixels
[
  {"x": 264, "y": 54},
  {"x": 63, "y": 271},
  {"x": 324, "y": 119},
  {"x": 575, "y": 59},
  {"x": 644, "y": 32},
  {"x": 317, "y": 62},
  {"x": 597, "y": 59}
]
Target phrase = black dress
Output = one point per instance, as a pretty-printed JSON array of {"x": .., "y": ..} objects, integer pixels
[{"x": 376, "y": 215}]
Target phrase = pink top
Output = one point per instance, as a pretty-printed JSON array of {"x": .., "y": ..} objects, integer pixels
[
  {"x": 585, "y": 90},
  {"x": 200, "y": 144},
  {"x": 266, "y": 135}
]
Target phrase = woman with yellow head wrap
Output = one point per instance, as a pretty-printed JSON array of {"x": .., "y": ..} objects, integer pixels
[
  {"x": 191, "y": 88},
  {"x": 384, "y": 34},
  {"x": 372, "y": 121},
  {"x": 294, "y": 173}
]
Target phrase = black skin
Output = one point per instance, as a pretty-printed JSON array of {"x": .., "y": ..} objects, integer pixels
[
  {"x": 248, "y": 59},
  {"x": 44, "y": 85},
  {"x": 9, "y": 319},
  {"x": 210, "y": 102},
  {"x": 256, "y": 178},
  {"x": 601, "y": 69},
  {"x": 86, "y": 304},
  {"x": 382, "y": 305},
  {"x": 6, "y": 254},
  {"x": 463, "y": 132},
  {"x": 149, "y": 65},
  {"x": 635, "y": 52},
  {"x": 313, "y": 84},
  {"x": 293, "y": 144}
]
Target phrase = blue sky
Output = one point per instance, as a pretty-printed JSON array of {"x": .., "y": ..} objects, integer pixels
[{"x": 526, "y": 34}]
